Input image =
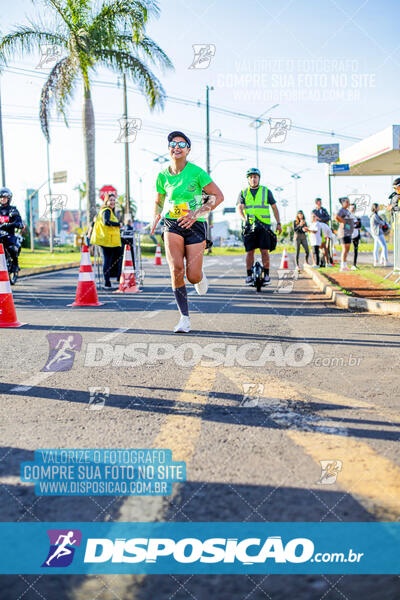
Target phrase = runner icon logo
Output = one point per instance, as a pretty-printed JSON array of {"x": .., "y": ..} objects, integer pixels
[
  {"x": 62, "y": 351},
  {"x": 203, "y": 54},
  {"x": 251, "y": 394},
  {"x": 62, "y": 547},
  {"x": 286, "y": 281},
  {"x": 98, "y": 397},
  {"x": 329, "y": 471},
  {"x": 278, "y": 129}
]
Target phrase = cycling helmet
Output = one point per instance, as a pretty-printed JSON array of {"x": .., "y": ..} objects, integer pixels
[
  {"x": 5, "y": 193},
  {"x": 253, "y": 172}
]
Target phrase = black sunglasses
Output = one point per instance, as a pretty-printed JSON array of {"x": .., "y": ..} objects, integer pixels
[{"x": 179, "y": 144}]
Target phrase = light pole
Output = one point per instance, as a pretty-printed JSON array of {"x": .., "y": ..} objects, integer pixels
[
  {"x": 296, "y": 178},
  {"x": 257, "y": 123},
  {"x": 208, "y": 169},
  {"x": 127, "y": 179},
  {"x": 3, "y": 166},
  {"x": 50, "y": 198}
]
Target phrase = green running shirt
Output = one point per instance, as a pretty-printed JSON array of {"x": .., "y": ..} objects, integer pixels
[{"x": 183, "y": 191}]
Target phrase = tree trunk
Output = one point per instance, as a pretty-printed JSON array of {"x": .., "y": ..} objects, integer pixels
[{"x": 89, "y": 142}]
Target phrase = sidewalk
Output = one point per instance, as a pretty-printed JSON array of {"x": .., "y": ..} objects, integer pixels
[{"x": 362, "y": 290}]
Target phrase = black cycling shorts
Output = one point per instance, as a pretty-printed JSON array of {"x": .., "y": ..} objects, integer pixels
[
  {"x": 259, "y": 238},
  {"x": 194, "y": 235}
]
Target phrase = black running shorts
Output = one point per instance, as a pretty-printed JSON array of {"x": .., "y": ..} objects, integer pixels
[{"x": 194, "y": 235}]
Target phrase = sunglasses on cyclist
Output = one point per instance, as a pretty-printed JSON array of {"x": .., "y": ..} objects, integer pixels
[{"x": 179, "y": 144}]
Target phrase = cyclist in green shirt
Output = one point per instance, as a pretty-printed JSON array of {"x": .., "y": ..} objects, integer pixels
[{"x": 185, "y": 227}]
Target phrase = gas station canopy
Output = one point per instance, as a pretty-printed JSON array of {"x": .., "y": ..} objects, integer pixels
[{"x": 378, "y": 154}]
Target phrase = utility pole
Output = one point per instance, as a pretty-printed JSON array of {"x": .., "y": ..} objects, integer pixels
[
  {"x": 127, "y": 182},
  {"x": 3, "y": 167},
  {"x": 50, "y": 198},
  {"x": 209, "y": 219}
]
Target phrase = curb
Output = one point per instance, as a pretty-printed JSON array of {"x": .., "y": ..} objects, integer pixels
[
  {"x": 351, "y": 302},
  {"x": 47, "y": 269}
]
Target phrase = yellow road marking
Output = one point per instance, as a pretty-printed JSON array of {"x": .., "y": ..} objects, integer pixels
[
  {"x": 179, "y": 433},
  {"x": 372, "y": 479}
]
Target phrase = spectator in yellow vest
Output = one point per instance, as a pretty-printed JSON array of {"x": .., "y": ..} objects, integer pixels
[{"x": 106, "y": 234}]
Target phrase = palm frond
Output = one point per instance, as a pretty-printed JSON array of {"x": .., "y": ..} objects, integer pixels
[
  {"x": 28, "y": 39},
  {"x": 123, "y": 62},
  {"x": 117, "y": 13},
  {"x": 149, "y": 48},
  {"x": 58, "y": 89}
]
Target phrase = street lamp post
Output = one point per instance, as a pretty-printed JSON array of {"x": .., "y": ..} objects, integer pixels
[
  {"x": 3, "y": 166},
  {"x": 296, "y": 178},
  {"x": 257, "y": 123},
  {"x": 208, "y": 169}
]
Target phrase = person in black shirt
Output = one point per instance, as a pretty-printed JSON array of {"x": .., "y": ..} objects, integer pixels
[
  {"x": 300, "y": 237},
  {"x": 356, "y": 235},
  {"x": 10, "y": 220},
  {"x": 320, "y": 212}
]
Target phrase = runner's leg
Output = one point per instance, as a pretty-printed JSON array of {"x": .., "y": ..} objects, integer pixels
[
  {"x": 194, "y": 261},
  {"x": 174, "y": 249}
]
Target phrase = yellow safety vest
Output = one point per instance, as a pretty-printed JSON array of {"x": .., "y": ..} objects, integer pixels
[
  {"x": 105, "y": 235},
  {"x": 258, "y": 206}
]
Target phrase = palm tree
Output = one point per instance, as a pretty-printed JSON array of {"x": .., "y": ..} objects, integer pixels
[{"x": 111, "y": 34}]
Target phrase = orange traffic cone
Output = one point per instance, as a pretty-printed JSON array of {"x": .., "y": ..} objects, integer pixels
[
  {"x": 157, "y": 257},
  {"x": 86, "y": 293},
  {"x": 127, "y": 282},
  {"x": 284, "y": 260},
  {"x": 8, "y": 316}
]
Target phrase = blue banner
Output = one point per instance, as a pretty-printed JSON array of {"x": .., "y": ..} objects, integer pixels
[{"x": 199, "y": 548}]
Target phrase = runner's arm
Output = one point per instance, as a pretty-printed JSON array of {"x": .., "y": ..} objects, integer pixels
[
  {"x": 215, "y": 198},
  {"x": 158, "y": 208},
  {"x": 277, "y": 217}
]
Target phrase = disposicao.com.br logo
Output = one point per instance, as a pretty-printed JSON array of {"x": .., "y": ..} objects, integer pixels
[{"x": 248, "y": 551}]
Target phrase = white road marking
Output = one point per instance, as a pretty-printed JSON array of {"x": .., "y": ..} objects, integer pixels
[
  {"x": 32, "y": 382},
  {"x": 113, "y": 334}
]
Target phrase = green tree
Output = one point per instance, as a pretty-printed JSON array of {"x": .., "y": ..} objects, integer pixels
[{"x": 108, "y": 33}]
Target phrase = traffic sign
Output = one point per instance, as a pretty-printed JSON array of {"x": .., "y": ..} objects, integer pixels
[
  {"x": 60, "y": 177},
  {"x": 107, "y": 189},
  {"x": 340, "y": 168},
  {"x": 328, "y": 153}
]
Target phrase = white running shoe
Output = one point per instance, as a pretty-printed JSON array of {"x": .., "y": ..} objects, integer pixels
[
  {"x": 353, "y": 268},
  {"x": 183, "y": 325},
  {"x": 344, "y": 268},
  {"x": 202, "y": 287}
]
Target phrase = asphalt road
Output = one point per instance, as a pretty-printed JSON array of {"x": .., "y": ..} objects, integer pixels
[{"x": 297, "y": 381}]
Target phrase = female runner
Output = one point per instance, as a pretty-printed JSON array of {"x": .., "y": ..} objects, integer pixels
[{"x": 185, "y": 226}]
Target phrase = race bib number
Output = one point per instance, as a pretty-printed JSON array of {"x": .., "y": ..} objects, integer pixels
[
  {"x": 179, "y": 210},
  {"x": 4, "y": 219}
]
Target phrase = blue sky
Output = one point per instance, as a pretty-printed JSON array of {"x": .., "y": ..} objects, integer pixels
[{"x": 266, "y": 53}]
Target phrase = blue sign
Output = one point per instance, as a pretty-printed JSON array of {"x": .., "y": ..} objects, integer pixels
[
  {"x": 340, "y": 168},
  {"x": 199, "y": 548}
]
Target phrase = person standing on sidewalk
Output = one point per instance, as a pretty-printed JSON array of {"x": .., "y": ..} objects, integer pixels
[
  {"x": 356, "y": 236},
  {"x": 346, "y": 228},
  {"x": 376, "y": 224},
  {"x": 106, "y": 234},
  {"x": 320, "y": 212},
  {"x": 300, "y": 237},
  {"x": 314, "y": 232}
]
